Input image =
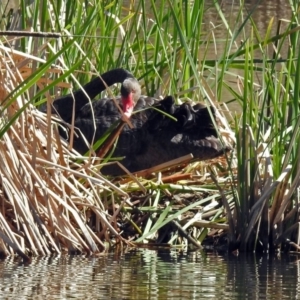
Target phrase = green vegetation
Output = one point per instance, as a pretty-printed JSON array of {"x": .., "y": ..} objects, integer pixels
[{"x": 55, "y": 201}]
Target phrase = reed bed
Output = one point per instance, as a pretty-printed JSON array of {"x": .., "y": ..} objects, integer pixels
[
  {"x": 54, "y": 200},
  {"x": 46, "y": 194}
]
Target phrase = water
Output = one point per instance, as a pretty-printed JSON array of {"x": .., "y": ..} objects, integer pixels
[
  {"x": 152, "y": 275},
  {"x": 263, "y": 12}
]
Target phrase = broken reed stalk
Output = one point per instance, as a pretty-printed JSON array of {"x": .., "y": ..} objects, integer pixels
[
  {"x": 30, "y": 33},
  {"x": 110, "y": 140},
  {"x": 167, "y": 165}
]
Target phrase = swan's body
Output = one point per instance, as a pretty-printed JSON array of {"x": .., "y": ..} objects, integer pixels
[{"x": 155, "y": 138}]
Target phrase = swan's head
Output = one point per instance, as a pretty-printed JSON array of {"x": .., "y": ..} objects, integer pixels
[{"x": 130, "y": 93}]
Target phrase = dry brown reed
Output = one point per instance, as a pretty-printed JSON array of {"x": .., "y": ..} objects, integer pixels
[{"x": 41, "y": 180}]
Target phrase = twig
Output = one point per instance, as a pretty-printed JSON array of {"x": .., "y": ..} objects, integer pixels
[
  {"x": 30, "y": 33},
  {"x": 110, "y": 140},
  {"x": 172, "y": 163},
  {"x": 176, "y": 178},
  {"x": 47, "y": 34},
  {"x": 185, "y": 234}
]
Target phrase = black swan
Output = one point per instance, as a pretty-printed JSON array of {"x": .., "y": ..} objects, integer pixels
[{"x": 155, "y": 137}]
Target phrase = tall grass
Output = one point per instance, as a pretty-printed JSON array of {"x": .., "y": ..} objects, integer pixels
[
  {"x": 167, "y": 45},
  {"x": 266, "y": 198}
]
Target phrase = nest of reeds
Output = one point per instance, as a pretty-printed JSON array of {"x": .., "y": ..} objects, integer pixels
[{"x": 53, "y": 200}]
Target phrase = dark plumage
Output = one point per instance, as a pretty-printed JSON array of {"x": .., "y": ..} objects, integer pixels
[
  {"x": 155, "y": 138},
  {"x": 63, "y": 106}
]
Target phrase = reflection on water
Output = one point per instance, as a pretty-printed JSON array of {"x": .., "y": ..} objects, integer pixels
[{"x": 152, "y": 275}]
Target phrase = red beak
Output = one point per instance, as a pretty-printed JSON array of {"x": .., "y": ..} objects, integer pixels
[{"x": 128, "y": 105}]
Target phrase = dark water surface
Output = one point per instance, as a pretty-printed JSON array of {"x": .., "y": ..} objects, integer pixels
[{"x": 152, "y": 275}]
